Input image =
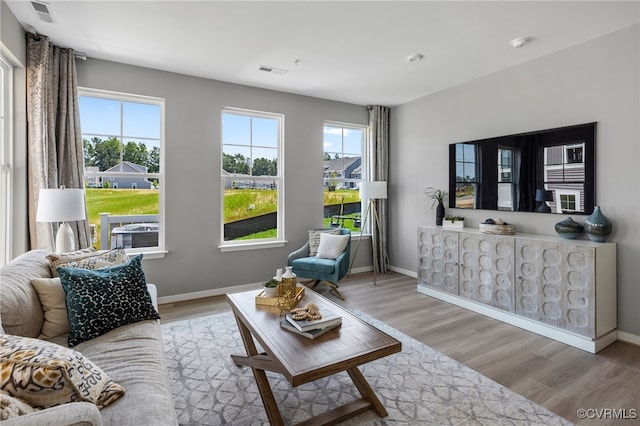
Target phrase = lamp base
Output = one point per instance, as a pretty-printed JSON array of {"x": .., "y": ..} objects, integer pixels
[
  {"x": 543, "y": 208},
  {"x": 65, "y": 242}
]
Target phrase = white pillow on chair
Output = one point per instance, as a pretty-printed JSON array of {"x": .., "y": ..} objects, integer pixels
[
  {"x": 314, "y": 238},
  {"x": 332, "y": 246}
]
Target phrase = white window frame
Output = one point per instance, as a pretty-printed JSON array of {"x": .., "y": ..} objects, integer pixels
[
  {"x": 160, "y": 250},
  {"x": 6, "y": 159},
  {"x": 570, "y": 192},
  {"x": 365, "y": 163},
  {"x": 279, "y": 241},
  {"x": 363, "y": 150}
]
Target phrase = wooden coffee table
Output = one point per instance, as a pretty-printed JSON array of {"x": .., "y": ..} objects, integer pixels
[{"x": 303, "y": 360}]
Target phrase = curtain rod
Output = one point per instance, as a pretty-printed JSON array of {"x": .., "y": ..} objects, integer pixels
[{"x": 77, "y": 54}]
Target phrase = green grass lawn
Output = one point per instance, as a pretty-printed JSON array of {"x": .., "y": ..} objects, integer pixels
[{"x": 239, "y": 204}]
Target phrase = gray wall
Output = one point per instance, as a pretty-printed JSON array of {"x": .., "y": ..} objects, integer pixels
[
  {"x": 594, "y": 81},
  {"x": 192, "y": 155}
]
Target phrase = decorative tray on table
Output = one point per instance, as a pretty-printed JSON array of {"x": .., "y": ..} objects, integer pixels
[{"x": 273, "y": 301}]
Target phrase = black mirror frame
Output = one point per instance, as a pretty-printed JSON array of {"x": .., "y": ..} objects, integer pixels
[{"x": 548, "y": 137}]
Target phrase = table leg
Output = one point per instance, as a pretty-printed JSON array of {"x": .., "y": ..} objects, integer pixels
[
  {"x": 366, "y": 391},
  {"x": 269, "y": 402}
]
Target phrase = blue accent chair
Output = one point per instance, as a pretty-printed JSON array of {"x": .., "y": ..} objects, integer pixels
[{"x": 327, "y": 271}]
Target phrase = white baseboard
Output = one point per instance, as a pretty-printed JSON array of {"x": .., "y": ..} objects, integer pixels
[
  {"x": 207, "y": 293},
  {"x": 362, "y": 269},
  {"x": 628, "y": 338},
  {"x": 404, "y": 272},
  {"x": 246, "y": 287}
]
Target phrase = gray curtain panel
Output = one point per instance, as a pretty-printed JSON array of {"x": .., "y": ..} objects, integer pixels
[
  {"x": 379, "y": 155},
  {"x": 53, "y": 133}
]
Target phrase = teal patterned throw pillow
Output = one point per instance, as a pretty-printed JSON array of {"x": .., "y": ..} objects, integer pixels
[{"x": 104, "y": 299}]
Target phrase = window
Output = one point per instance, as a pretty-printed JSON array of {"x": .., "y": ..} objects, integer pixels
[
  {"x": 567, "y": 200},
  {"x": 574, "y": 154},
  {"x": 252, "y": 179},
  {"x": 465, "y": 175},
  {"x": 506, "y": 187},
  {"x": 342, "y": 174},
  {"x": 123, "y": 139},
  {"x": 6, "y": 168}
]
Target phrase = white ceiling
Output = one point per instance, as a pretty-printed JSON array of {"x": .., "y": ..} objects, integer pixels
[{"x": 348, "y": 51}]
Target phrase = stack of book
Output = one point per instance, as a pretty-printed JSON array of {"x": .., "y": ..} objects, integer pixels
[{"x": 313, "y": 328}]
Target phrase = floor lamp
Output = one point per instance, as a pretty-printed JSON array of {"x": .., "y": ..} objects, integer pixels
[
  {"x": 61, "y": 205},
  {"x": 371, "y": 191}
]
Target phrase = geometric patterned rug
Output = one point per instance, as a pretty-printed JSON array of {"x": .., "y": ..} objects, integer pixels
[{"x": 418, "y": 386}]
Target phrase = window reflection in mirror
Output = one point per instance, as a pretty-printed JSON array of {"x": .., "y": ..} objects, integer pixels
[{"x": 504, "y": 173}]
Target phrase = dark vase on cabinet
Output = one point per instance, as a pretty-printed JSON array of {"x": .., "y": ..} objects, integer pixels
[
  {"x": 597, "y": 226},
  {"x": 439, "y": 214},
  {"x": 569, "y": 229}
]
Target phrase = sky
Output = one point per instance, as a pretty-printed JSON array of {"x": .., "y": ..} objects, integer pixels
[{"x": 135, "y": 121}]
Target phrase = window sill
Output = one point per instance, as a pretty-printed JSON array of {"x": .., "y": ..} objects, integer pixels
[
  {"x": 151, "y": 254},
  {"x": 252, "y": 246},
  {"x": 358, "y": 236}
]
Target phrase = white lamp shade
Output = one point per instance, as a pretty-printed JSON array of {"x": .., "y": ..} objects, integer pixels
[
  {"x": 373, "y": 190},
  {"x": 60, "y": 205}
]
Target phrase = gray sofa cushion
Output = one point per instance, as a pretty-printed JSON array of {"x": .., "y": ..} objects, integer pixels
[
  {"x": 133, "y": 356},
  {"x": 20, "y": 306}
]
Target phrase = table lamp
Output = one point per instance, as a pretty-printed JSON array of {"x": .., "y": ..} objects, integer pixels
[
  {"x": 542, "y": 196},
  {"x": 61, "y": 205}
]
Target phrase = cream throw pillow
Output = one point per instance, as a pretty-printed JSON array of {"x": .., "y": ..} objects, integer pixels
[
  {"x": 332, "y": 246},
  {"x": 44, "y": 374},
  {"x": 87, "y": 259},
  {"x": 314, "y": 239},
  {"x": 52, "y": 299}
]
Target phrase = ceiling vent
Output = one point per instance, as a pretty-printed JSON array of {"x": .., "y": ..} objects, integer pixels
[
  {"x": 42, "y": 11},
  {"x": 272, "y": 70}
]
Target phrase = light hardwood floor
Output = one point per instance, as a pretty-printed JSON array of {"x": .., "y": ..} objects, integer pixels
[{"x": 557, "y": 376}]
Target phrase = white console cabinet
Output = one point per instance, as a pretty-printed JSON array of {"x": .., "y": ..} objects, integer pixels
[{"x": 562, "y": 289}]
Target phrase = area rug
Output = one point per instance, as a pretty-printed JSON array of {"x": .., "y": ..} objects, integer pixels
[{"x": 418, "y": 386}]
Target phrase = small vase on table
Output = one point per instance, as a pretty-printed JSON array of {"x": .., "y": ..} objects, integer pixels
[{"x": 287, "y": 289}]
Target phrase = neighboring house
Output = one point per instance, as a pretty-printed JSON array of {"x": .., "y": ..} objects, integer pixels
[
  {"x": 126, "y": 182},
  {"x": 343, "y": 168},
  {"x": 564, "y": 174},
  {"x": 92, "y": 178}
]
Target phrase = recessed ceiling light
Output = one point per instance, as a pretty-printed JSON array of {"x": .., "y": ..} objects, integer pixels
[
  {"x": 416, "y": 57},
  {"x": 519, "y": 42}
]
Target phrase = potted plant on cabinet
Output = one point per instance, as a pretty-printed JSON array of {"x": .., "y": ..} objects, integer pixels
[
  {"x": 451, "y": 221},
  {"x": 437, "y": 196}
]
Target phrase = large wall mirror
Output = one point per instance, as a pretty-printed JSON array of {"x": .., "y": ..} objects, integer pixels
[{"x": 548, "y": 171}]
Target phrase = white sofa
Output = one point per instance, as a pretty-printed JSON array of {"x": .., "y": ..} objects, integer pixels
[{"x": 132, "y": 355}]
